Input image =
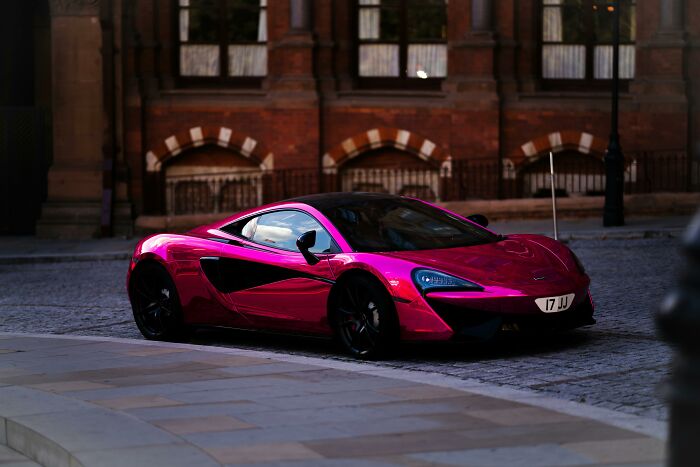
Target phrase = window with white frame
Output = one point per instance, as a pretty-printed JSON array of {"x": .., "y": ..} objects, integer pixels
[
  {"x": 222, "y": 39},
  {"x": 577, "y": 38},
  {"x": 401, "y": 41}
]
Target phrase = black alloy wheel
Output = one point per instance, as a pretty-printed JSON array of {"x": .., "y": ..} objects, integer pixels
[
  {"x": 364, "y": 318},
  {"x": 156, "y": 305}
]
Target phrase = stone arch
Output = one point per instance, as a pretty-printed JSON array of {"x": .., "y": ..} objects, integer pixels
[
  {"x": 376, "y": 138},
  {"x": 533, "y": 150},
  {"x": 199, "y": 136},
  {"x": 566, "y": 140},
  {"x": 579, "y": 170}
]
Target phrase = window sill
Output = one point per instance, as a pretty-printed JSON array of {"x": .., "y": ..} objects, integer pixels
[
  {"x": 393, "y": 93},
  {"x": 575, "y": 95},
  {"x": 214, "y": 91}
]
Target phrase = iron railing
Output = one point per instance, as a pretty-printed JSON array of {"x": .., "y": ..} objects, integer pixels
[{"x": 646, "y": 172}]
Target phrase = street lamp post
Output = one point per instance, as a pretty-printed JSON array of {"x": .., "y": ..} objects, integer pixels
[{"x": 613, "y": 212}]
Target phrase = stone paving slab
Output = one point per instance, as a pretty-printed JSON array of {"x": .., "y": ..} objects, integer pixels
[
  {"x": 11, "y": 458},
  {"x": 240, "y": 407},
  {"x": 30, "y": 249}
]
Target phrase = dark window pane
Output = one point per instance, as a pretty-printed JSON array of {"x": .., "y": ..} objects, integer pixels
[
  {"x": 602, "y": 23},
  {"x": 427, "y": 20},
  {"x": 243, "y": 20},
  {"x": 204, "y": 4},
  {"x": 573, "y": 23},
  {"x": 203, "y": 24},
  {"x": 389, "y": 24},
  {"x": 603, "y": 17},
  {"x": 628, "y": 22}
]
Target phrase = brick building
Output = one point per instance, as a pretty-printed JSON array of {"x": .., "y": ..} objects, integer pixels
[{"x": 167, "y": 107}]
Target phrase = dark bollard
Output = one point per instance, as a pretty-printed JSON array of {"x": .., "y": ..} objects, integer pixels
[{"x": 679, "y": 323}]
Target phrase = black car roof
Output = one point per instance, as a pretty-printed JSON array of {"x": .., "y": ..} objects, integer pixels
[{"x": 322, "y": 201}]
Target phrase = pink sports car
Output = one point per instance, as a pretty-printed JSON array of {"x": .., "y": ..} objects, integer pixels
[{"x": 369, "y": 269}]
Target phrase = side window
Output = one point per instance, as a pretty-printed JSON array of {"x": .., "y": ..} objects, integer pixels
[
  {"x": 244, "y": 228},
  {"x": 248, "y": 229},
  {"x": 280, "y": 229}
]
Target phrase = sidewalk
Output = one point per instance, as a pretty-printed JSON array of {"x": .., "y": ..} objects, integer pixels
[
  {"x": 30, "y": 249},
  {"x": 116, "y": 402}
]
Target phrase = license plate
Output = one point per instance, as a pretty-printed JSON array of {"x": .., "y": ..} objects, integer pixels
[{"x": 555, "y": 304}]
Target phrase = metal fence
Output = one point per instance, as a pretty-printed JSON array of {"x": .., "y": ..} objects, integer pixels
[
  {"x": 670, "y": 171},
  {"x": 645, "y": 172}
]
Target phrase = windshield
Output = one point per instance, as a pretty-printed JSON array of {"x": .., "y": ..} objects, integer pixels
[{"x": 399, "y": 224}]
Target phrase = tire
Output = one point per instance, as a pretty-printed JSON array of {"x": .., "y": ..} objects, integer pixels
[
  {"x": 156, "y": 304},
  {"x": 363, "y": 318}
]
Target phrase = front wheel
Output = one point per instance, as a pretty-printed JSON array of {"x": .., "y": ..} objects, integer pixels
[
  {"x": 363, "y": 318},
  {"x": 156, "y": 305}
]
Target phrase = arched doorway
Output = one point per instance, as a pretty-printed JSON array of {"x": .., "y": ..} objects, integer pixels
[
  {"x": 25, "y": 113},
  {"x": 211, "y": 179},
  {"x": 391, "y": 170}
]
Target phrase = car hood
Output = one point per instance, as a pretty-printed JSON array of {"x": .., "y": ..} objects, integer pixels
[{"x": 517, "y": 260}]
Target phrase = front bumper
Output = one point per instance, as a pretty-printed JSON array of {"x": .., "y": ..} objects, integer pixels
[{"x": 470, "y": 323}]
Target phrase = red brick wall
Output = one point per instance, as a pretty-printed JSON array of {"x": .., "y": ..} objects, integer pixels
[{"x": 491, "y": 103}]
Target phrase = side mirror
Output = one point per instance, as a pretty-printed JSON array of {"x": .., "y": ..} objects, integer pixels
[
  {"x": 306, "y": 241},
  {"x": 479, "y": 219}
]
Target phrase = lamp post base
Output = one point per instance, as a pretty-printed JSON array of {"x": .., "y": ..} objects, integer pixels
[{"x": 613, "y": 212}]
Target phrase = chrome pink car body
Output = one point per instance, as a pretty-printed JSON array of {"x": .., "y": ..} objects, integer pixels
[{"x": 505, "y": 269}]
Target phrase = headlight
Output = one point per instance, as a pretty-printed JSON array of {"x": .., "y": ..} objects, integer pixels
[{"x": 428, "y": 280}]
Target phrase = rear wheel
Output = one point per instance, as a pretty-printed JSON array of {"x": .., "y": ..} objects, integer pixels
[
  {"x": 364, "y": 319},
  {"x": 156, "y": 305}
]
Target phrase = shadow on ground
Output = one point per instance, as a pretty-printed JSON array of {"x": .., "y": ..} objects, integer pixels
[{"x": 502, "y": 347}]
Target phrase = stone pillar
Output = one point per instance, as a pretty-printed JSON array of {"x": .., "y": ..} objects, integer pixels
[
  {"x": 292, "y": 56},
  {"x": 472, "y": 54},
  {"x": 291, "y": 84},
  {"x": 471, "y": 86},
  {"x": 660, "y": 84},
  {"x": 122, "y": 210},
  {"x": 75, "y": 177}
]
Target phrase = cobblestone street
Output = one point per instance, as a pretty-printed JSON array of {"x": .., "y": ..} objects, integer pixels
[{"x": 618, "y": 364}]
